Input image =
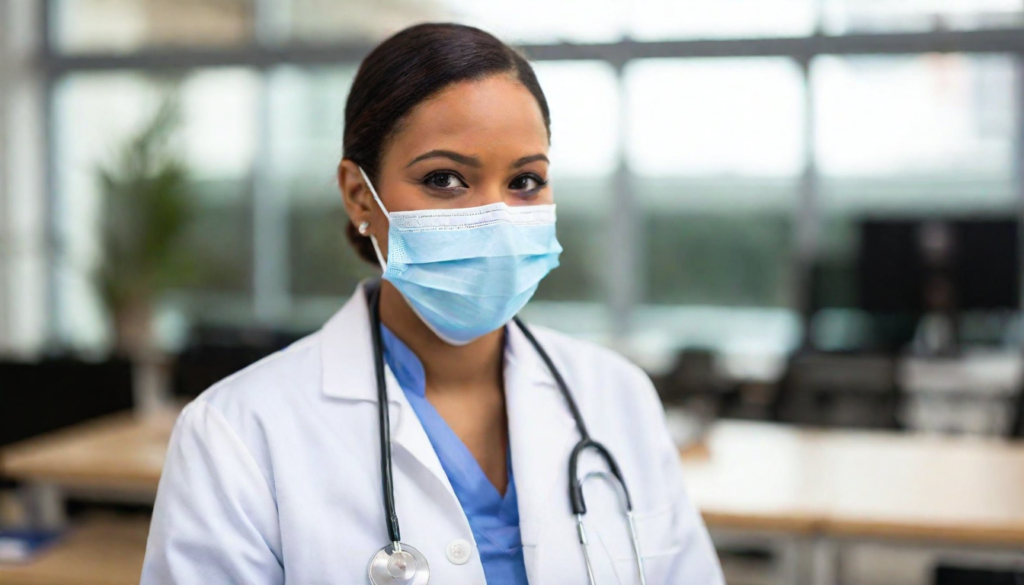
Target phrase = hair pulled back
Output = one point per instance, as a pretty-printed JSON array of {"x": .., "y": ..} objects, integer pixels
[{"x": 409, "y": 68}]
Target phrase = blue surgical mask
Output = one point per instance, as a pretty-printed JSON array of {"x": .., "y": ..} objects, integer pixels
[{"x": 467, "y": 272}]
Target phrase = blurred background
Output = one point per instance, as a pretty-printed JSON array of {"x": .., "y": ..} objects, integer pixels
[{"x": 801, "y": 213}]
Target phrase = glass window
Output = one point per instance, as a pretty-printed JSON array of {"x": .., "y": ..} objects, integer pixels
[
  {"x": 307, "y": 122},
  {"x": 854, "y": 16},
  {"x": 97, "y": 114},
  {"x": 705, "y": 117},
  {"x": 127, "y": 25},
  {"x": 907, "y": 138},
  {"x": 333, "y": 21},
  {"x": 716, "y": 150},
  {"x": 307, "y": 111},
  {"x": 525, "y": 21},
  {"x": 583, "y": 98},
  {"x": 675, "y": 19},
  {"x": 928, "y": 133},
  {"x": 545, "y": 21},
  {"x": 548, "y": 21}
]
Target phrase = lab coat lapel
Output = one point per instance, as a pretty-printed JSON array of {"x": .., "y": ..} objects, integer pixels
[
  {"x": 408, "y": 433},
  {"x": 541, "y": 429},
  {"x": 347, "y": 367},
  {"x": 541, "y": 433}
]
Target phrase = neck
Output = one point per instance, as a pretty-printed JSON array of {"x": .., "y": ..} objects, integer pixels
[{"x": 447, "y": 367}]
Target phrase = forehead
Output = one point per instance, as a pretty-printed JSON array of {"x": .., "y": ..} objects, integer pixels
[{"x": 493, "y": 114}]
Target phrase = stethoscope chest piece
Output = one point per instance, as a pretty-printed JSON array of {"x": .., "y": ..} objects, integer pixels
[{"x": 404, "y": 566}]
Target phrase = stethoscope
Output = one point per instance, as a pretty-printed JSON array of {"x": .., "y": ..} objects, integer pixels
[{"x": 400, "y": 564}]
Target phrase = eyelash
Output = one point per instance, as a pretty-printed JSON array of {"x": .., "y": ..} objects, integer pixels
[{"x": 426, "y": 180}]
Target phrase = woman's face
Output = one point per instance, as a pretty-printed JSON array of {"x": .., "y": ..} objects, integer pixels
[{"x": 474, "y": 143}]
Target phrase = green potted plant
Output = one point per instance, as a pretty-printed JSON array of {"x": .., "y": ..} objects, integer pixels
[{"x": 147, "y": 208}]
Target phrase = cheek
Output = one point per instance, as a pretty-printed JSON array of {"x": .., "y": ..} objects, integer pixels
[
  {"x": 399, "y": 195},
  {"x": 379, "y": 230},
  {"x": 546, "y": 196},
  {"x": 379, "y": 225}
]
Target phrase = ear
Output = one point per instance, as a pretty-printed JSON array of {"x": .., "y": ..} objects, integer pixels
[
  {"x": 355, "y": 195},
  {"x": 360, "y": 205}
]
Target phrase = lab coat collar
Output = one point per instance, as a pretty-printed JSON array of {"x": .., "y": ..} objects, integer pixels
[
  {"x": 347, "y": 356},
  {"x": 541, "y": 429},
  {"x": 347, "y": 363},
  {"x": 347, "y": 352}
]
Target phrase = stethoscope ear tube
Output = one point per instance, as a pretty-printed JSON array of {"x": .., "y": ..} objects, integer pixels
[
  {"x": 579, "y": 506},
  {"x": 581, "y": 426}
]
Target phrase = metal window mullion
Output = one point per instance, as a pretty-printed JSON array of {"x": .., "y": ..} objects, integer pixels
[
  {"x": 270, "y": 229},
  {"x": 6, "y": 231},
  {"x": 54, "y": 237},
  {"x": 807, "y": 214},
  {"x": 622, "y": 250},
  {"x": 24, "y": 225},
  {"x": 271, "y": 278},
  {"x": 1004, "y": 40},
  {"x": 271, "y": 22},
  {"x": 1019, "y": 164}
]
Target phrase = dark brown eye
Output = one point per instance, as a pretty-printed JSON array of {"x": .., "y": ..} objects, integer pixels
[
  {"x": 443, "y": 181},
  {"x": 525, "y": 183}
]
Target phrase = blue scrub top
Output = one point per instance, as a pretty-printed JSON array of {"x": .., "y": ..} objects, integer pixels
[{"x": 494, "y": 519}]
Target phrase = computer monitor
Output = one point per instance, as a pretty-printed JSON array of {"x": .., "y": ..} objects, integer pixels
[
  {"x": 917, "y": 266},
  {"x": 41, "y": 397}
]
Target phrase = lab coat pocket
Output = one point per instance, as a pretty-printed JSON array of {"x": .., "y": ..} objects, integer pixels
[{"x": 660, "y": 544}]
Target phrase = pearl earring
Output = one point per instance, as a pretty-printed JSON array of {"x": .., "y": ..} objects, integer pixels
[{"x": 364, "y": 228}]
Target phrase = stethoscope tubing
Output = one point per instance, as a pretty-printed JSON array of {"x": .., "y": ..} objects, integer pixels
[
  {"x": 387, "y": 477},
  {"x": 579, "y": 507}
]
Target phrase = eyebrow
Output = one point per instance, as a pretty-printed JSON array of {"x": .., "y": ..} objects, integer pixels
[
  {"x": 530, "y": 159},
  {"x": 471, "y": 161}
]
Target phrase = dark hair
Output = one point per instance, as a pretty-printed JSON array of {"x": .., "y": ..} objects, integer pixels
[{"x": 409, "y": 68}]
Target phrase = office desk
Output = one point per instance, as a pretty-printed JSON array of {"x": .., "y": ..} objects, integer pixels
[
  {"x": 755, "y": 476},
  {"x": 871, "y": 485},
  {"x": 819, "y": 487},
  {"x": 117, "y": 458},
  {"x": 121, "y": 452},
  {"x": 101, "y": 551}
]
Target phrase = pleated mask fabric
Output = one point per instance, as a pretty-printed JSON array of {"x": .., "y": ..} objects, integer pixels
[{"x": 467, "y": 272}]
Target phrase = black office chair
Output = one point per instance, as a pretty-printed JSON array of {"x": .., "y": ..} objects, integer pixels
[
  {"x": 693, "y": 383},
  {"x": 839, "y": 390},
  {"x": 40, "y": 397},
  {"x": 216, "y": 353},
  {"x": 1017, "y": 428},
  {"x": 951, "y": 575}
]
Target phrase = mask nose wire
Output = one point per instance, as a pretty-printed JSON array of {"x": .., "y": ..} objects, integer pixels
[{"x": 373, "y": 240}]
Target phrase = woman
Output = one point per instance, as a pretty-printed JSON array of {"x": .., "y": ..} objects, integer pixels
[{"x": 275, "y": 474}]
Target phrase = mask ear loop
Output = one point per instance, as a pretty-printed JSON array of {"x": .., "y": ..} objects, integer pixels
[
  {"x": 384, "y": 263},
  {"x": 373, "y": 240}
]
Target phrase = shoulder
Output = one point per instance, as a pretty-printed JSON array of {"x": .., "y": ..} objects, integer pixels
[
  {"x": 600, "y": 375},
  {"x": 250, "y": 407},
  {"x": 622, "y": 411},
  {"x": 270, "y": 382},
  {"x": 577, "y": 353},
  {"x": 573, "y": 350}
]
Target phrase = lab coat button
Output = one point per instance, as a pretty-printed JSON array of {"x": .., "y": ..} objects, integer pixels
[{"x": 458, "y": 551}]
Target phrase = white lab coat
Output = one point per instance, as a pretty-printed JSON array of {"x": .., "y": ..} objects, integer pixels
[{"x": 273, "y": 475}]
